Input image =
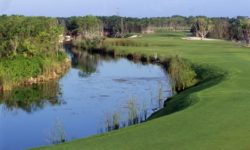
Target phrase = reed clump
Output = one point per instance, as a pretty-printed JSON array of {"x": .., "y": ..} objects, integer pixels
[{"x": 181, "y": 72}]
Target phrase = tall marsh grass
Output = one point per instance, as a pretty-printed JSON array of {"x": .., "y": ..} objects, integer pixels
[
  {"x": 133, "y": 116},
  {"x": 57, "y": 135},
  {"x": 160, "y": 96},
  {"x": 181, "y": 72},
  {"x": 124, "y": 42}
]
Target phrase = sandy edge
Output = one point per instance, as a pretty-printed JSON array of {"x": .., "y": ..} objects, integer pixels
[{"x": 198, "y": 39}]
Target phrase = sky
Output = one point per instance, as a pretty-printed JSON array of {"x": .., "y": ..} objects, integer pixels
[{"x": 129, "y": 8}]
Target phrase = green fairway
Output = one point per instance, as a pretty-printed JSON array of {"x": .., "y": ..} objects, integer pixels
[{"x": 217, "y": 111}]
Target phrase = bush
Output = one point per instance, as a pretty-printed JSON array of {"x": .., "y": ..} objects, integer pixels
[{"x": 21, "y": 68}]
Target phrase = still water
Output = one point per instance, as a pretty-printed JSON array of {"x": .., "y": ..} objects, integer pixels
[{"x": 80, "y": 103}]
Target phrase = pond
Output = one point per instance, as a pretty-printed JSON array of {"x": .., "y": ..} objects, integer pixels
[{"x": 96, "y": 91}]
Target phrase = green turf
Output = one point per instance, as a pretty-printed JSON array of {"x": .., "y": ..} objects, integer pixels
[{"x": 218, "y": 116}]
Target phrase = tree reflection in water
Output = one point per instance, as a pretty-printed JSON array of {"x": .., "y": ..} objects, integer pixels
[
  {"x": 86, "y": 62},
  {"x": 32, "y": 98}
]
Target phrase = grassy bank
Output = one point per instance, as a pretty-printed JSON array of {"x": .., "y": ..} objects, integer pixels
[
  {"x": 216, "y": 111},
  {"x": 28, "y": 70}
]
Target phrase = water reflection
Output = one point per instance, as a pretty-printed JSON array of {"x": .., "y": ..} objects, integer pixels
[
  {"x": 86, "y": 63},
  {"x": 32, "y": 98},
  {"x": 96, "y": 95}
]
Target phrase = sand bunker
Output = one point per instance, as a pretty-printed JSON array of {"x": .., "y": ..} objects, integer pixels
[{"x": 198, "y": 39}]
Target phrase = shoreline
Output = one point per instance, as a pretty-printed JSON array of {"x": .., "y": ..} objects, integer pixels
[
  {"x": 143, "y": 59},
  {"x": 210, "y": 74}
]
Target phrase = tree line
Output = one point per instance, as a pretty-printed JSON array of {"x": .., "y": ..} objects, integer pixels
[
  {"x": 222, "y": 28},
  {"x": 115, "y": 26},
  {"x": 33, "y": 35}
]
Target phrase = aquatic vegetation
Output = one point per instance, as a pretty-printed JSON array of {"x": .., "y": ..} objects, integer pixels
[
  {"x": 182, "y": 74},
  {"x": 116, "y": 121},
  {"x": 112, "y": 122},
  {"x": 160, "y": 96},
  {"x": 144, "y": 111},
  {"x": 57, "y": 134},
  {"x": 132, "y": 112}
]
